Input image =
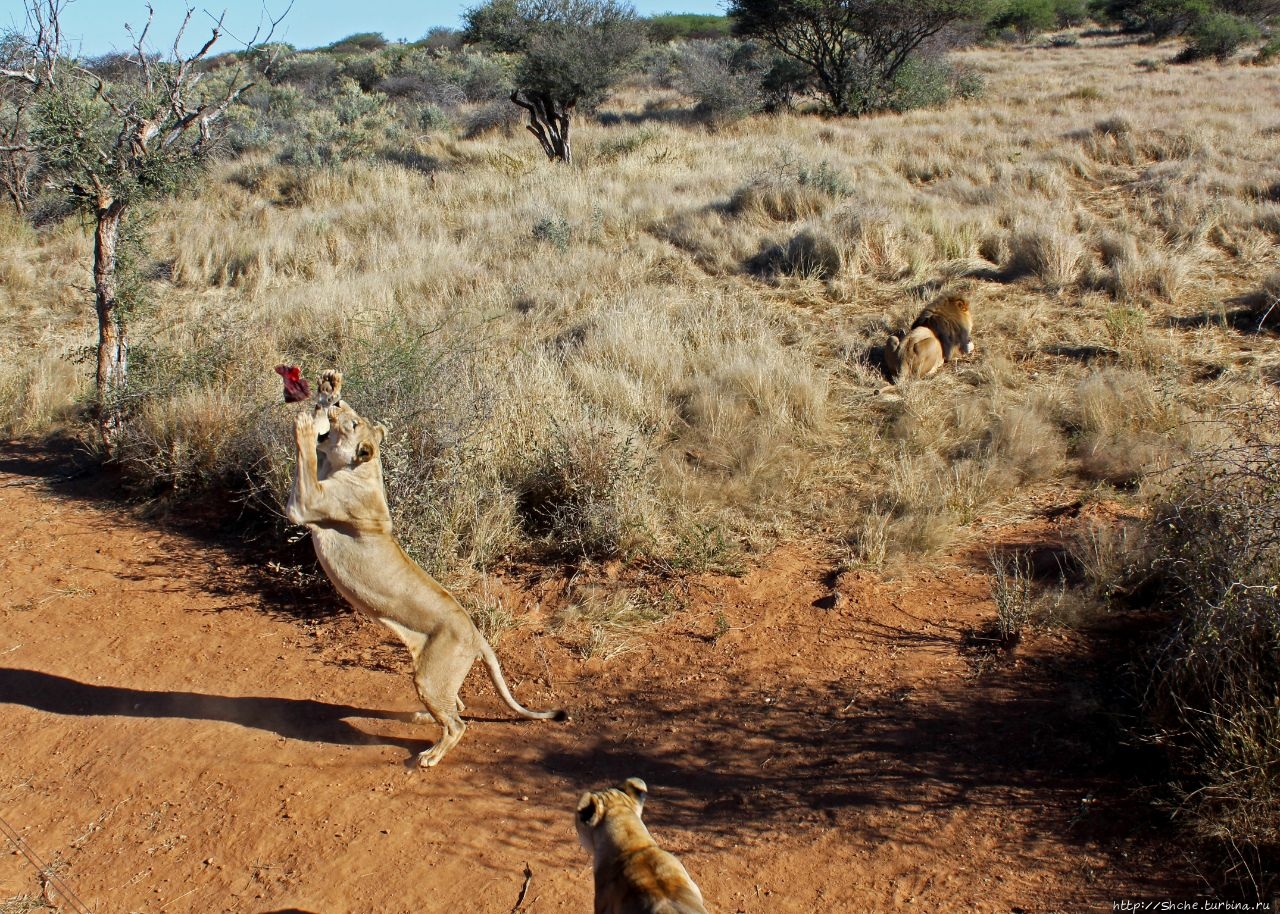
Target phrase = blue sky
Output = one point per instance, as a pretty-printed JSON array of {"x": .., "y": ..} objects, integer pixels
[{"x": 97, "y": 26}]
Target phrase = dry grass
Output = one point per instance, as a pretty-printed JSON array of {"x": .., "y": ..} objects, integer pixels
[
  {"x": 604, "y": 622},
  {"x": 584, "y": 360}
]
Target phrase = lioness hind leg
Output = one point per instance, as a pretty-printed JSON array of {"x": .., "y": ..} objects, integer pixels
[
  {"x": 452, "y": 727},
  {"x": 439, "y": 671},
  {"x": 421, "y": 717}
]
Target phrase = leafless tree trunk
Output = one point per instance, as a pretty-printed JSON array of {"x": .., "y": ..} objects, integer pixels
[
  {"x": 113, "y": 338},
  {"x": 17, "y": 158},
  {"x": 548, "y": 123}
]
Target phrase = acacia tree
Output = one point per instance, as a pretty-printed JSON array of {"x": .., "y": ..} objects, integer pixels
[
  {"x": 108, "y": 144},
  {"x": 571, "y": 52},
  {"x": 854, "y": 48}
]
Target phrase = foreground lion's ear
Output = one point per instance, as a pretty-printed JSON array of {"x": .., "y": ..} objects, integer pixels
[
  {"x": 366, "y": 451},
  {"x": 637, "y": 790},
  {"x": 589, "y": 811},
  {"x": 380, "y": 430}
]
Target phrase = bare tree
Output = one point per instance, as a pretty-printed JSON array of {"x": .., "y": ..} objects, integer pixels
[
  {"x": 108, "y": 144},
  {"x": 17, "y": 155}
]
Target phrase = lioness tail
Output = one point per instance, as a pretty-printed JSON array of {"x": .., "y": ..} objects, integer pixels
[{"x": 500, "y": 683}]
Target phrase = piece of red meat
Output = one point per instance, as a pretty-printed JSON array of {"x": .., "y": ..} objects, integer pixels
[{"x": 296, "y": 388}]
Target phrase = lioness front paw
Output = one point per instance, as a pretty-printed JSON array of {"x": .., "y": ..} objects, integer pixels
[{"x": 330, "y": 387}]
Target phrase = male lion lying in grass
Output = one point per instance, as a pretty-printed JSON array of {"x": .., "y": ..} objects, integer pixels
[
  {"x": 941, "y": 332},
  {"x": 339, "y": 495}
]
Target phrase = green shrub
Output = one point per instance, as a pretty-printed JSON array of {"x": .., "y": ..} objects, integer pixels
[
  {"x": 1160, "y": 18},
  {"x": 825, "y": 178},
  {"x": 1071, "y": 13},
  {"x": 1268, "y": 53},
  {"x": 554, "y": 230},
  {"x": 360, "y": 41},
  {"x": 1217, "y": 35},
  {"x": 433, "y": 117},
  {"x": 724, "y": 85},
  {"x": 483, "y": 77},
  {"x": 312, "y": 72},
  {"x": 1025, "y": 18},
  {"x": 687, "y": 27},
  {"x": 926, "y": 82},
  {"x": 441, "y": 38},
  {"x": 348, "y": 125},
  {"x": 366, "y": 70}
]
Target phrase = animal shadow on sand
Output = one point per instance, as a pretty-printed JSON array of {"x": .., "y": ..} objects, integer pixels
[{"x": 294, "y": 718}]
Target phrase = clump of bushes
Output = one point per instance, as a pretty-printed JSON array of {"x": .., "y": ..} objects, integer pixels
[
  {"x": 927, "y": 81},
  {"x": 731, "y": 79},
  {"x": 1024, "y": 19},
  {"x": 1217, "y": 35},
  {"x": 585, "y": 492},
  {"x": 1214, "y": 689}
]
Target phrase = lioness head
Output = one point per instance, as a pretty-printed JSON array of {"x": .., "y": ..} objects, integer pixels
[
  {"x": 350, "y": 439},
  {"x": 597, "y": 805}
]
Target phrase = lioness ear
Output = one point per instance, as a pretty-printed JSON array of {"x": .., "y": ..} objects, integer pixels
[
  {"x": 637, "y": 790},
  {"x": 380, "y": 430},
  {"x": 589, "y": 811},
  {"x": 365, "y": 452}
]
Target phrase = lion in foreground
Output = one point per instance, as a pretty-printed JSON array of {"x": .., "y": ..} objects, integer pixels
[
  {"x": 942, "y": 332},
  {"x": 632, "y": 874},
  {"x": 338, "y": 494}
]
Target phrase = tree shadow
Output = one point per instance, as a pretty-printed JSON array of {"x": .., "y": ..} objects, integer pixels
[
  {"x": 293, "y": 718},
  {"x": 1256, "y": 313},
  {"x": 1031, "y": 736},
  {"x": 283, "y": 573},
  {"x": 1084, "y": 353}
]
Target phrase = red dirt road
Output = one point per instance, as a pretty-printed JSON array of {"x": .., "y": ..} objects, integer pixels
[{"x": 181, "y": 743}]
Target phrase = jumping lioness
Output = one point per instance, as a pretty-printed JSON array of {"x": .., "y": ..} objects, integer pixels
[
  {"x": 632, "y": 874},
  {"x": 941, "y": 332},
  {"x": 338, "y": 493}
]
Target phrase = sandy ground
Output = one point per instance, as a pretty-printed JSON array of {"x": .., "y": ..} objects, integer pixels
[{"x": 179, "y": 739}]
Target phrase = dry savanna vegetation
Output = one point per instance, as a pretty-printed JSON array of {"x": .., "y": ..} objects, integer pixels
[{"x": 667, "y": 354}]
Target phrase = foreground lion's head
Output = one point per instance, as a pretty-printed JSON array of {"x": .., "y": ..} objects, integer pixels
[{"x": 623, "y": 802}]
